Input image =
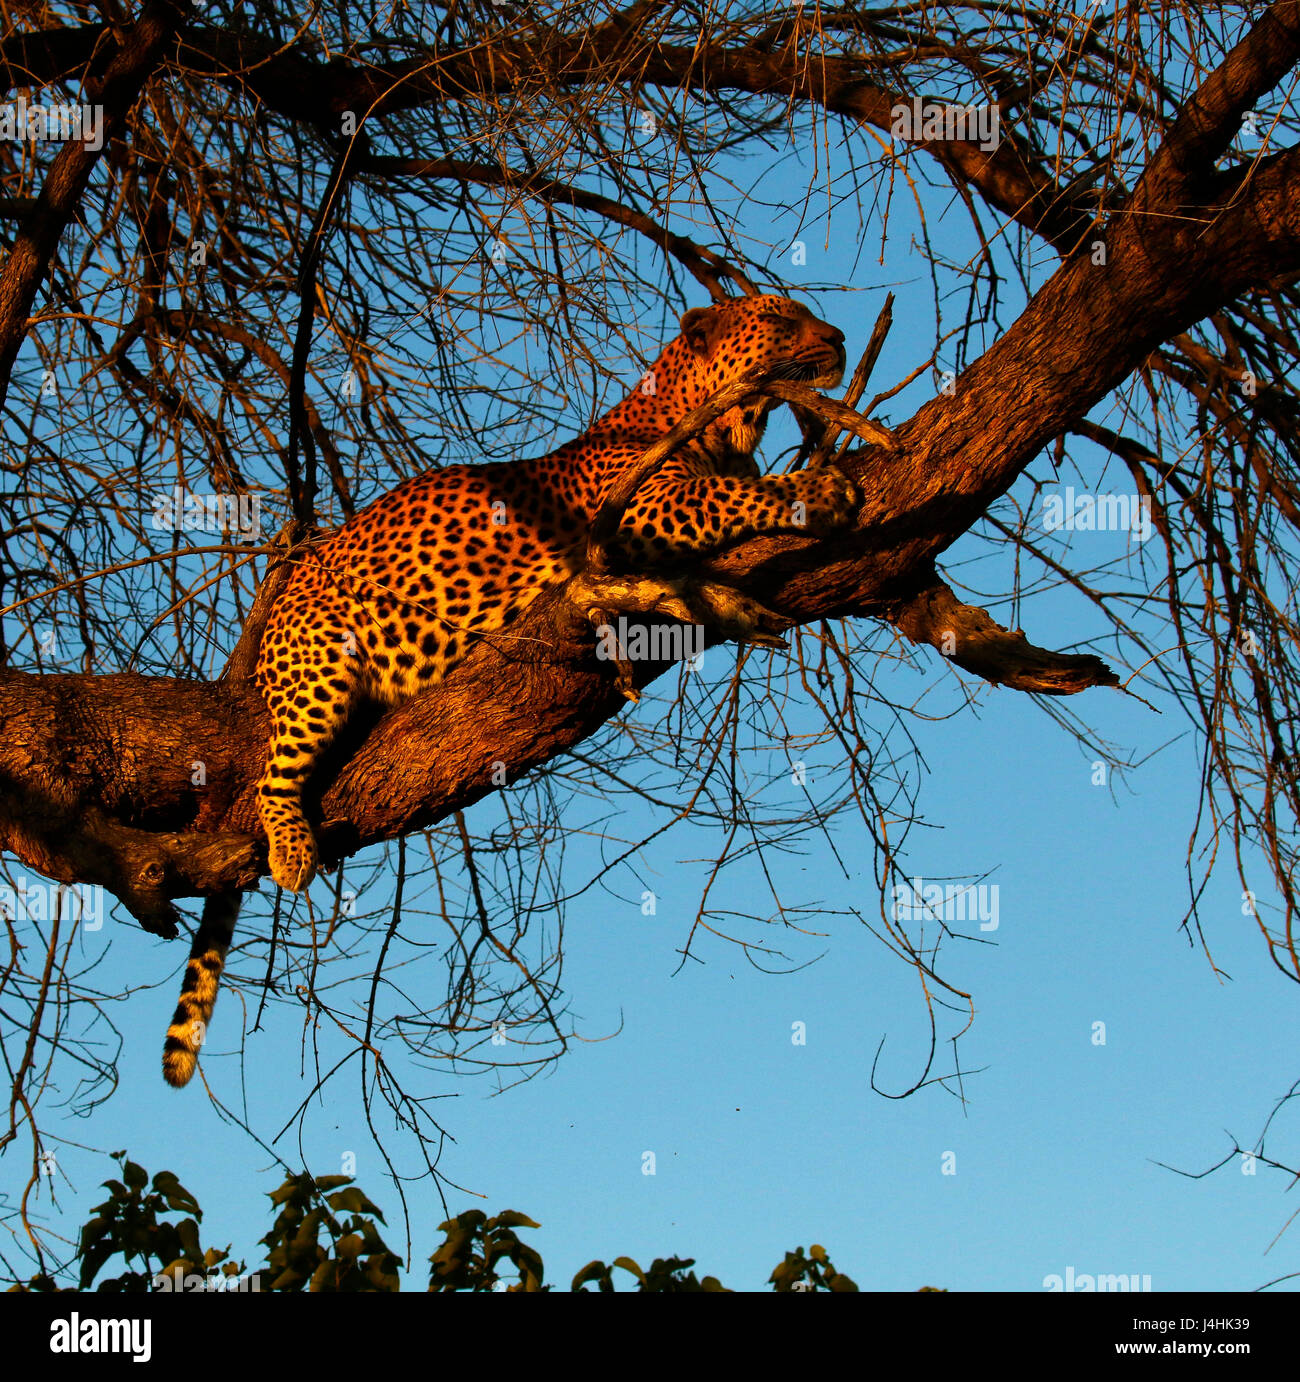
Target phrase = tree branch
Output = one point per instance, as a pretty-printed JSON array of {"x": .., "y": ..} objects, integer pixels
[
  {"x": 704, "y": 265},
  {"x": 28, "y": 262},
  {"x": 969, "y": 637},
  {"x": 297, "y": 86}
]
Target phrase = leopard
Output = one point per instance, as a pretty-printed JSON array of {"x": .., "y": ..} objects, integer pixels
[{"x": 383, "y": 608}]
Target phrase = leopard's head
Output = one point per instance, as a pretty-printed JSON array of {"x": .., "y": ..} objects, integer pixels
[{"x": 719, "y": 343}]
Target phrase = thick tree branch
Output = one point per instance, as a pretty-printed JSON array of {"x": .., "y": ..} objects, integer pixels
[
  {"x": 1211, "y": 117},
  {"x": 49, "y": 55},
  {"x": 1009, "y": 178}
]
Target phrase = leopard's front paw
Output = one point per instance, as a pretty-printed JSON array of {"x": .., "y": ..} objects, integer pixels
[
  {"x": 831, "y": 500},
  {"x": 292, "y": 855}
]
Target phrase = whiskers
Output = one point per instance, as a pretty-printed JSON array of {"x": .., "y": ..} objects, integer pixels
[{"x": 802, "y": 371}]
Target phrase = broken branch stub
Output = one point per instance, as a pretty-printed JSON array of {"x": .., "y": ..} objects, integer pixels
[{"x": 968, "y": 636}]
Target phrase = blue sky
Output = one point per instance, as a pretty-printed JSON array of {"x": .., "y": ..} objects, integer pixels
[{"x": 761, "y": 1144}]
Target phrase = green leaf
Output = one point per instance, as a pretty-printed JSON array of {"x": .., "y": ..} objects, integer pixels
[
  {"x": 529, "y": 1261},
  {"x": 595, "y": 1270},
  {"x": 349, "y": 1246},
  {"x": 92, "y": 1261},
  {"x": 181, "y": 1264},
  {"x": 92, "y": 1229},
  {"x": 511, "y": 1218},
  {"x": 629, "y": 1266},
  {"x": 136, "y": 1176},
  {"x": 175, "y": 1194},
  {"x": 468, "y": 1221},
  {"x": 381, "y": 1276},
  {"x": 188, "y": 1233},
  {"x": 353, "y": 1199}
]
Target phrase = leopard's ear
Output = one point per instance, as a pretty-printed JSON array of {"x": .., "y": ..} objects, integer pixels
[{"x": 699, "y": 326}]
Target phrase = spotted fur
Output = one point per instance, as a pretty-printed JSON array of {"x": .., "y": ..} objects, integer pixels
[
  {"x": 199, "y": 991},
  {"x": 385, "y": 606}
]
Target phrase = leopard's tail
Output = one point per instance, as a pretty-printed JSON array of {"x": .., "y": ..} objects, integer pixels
[{"x": 199, "y": 989}]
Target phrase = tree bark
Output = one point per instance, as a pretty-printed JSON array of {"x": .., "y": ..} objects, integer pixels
[{"x": 147, "y": 785}]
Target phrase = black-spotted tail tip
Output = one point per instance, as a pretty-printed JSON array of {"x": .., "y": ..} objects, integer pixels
[{"x": 179, "y": 1061}]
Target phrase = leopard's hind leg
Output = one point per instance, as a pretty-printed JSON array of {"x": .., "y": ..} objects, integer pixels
[{"x": 310, "y": 680}]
